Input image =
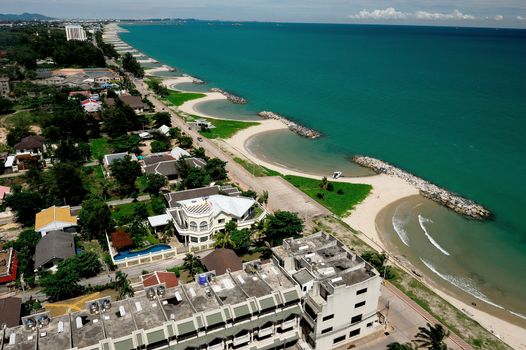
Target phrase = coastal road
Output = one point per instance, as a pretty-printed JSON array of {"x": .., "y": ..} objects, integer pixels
[{"x": 282, "y": 195}]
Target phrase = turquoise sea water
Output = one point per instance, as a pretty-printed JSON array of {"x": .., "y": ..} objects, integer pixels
[{"x": 447, "y": 104}]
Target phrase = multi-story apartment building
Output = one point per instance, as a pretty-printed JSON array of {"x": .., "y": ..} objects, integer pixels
[
  {"x": 341, "y": 290},
  {"x": 253, "y": 309},
  {"x": 75, "y": 32},
  {"x": 200, "y": 213}
]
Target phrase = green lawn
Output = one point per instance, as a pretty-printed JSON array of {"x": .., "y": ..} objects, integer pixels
[
  {"x": 224, "y": 128},
  {"x": 100, "y": 147},
  {"x": 339, "y": 204},
  {"x": 126, "y": 210},
  {"x": 256, "y": 170},
  {"x": 178, "y": 98}
]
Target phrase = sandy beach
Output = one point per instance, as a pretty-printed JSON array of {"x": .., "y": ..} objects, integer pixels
[{"x": 386, "y": 190}]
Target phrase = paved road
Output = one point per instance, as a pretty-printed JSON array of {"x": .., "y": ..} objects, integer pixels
[{"x": 115, "y": 202}]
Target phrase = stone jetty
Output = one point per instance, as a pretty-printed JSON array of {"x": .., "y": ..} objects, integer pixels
[
  {"x": 194, "y": 79},
  {"x": 232, "y": 98},
  {"x": 450, "y": 200},
  {"x": 294, "y": 127}
]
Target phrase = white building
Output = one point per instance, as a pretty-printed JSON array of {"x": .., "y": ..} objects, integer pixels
[
  {"x": 4, "y": 86},
  {"x": 341, "y": 290},
  {"x": 200, "y": 213},
  {"x": 75, "y": 32}
]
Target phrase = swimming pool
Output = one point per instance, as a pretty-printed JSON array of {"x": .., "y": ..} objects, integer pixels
[{"x": 153, "y": 249}]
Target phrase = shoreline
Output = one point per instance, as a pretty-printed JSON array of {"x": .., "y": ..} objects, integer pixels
[
  {"x": 498, "y": 320},
  {"x": 387, "y": 189}
]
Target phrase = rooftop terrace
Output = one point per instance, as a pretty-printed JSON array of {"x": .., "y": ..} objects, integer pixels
[{"x": 236, "y": 294}]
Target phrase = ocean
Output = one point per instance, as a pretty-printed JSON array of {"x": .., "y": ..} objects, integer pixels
[{"x": 447, "y": 104}]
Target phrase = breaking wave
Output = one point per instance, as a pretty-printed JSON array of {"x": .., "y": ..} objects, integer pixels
[
  {"x": 421, "y": 221},
  {"x": 464, "y": 284},
  {"x": 398, "y": 225}
]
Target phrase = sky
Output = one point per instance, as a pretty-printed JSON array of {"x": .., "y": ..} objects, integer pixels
[{"x": 488, "y": 13}]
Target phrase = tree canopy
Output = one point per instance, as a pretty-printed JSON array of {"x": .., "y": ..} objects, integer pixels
[
  {"x": 94, "y": 219},
  {"x": 130, "y": 64},
  {"x": 126, "y": 171},
  {"x": 282, "y": 224}
]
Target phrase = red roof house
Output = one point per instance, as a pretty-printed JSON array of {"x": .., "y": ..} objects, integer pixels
[
  {"x": 121, "y": 240},
  {"x": 168, "y": 278},
  {"x": 8, "y": 265}
]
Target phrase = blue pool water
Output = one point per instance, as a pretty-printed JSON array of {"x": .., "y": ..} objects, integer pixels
[{"x": 153, "y": 249}]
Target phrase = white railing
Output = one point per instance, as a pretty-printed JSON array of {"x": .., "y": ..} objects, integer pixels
[
  {"x": 219, "y": 346},
  {"x": 242, "y": 339}
]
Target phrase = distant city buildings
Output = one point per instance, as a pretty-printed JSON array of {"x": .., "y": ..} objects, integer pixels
[{"x": 75, "y": 32}]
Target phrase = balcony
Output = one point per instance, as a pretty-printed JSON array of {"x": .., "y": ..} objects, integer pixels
[
  {"x": 265, "y": 332},
  {"x": 288, "y": 324},
  {"x": 219, "y": 346},
  {"x": 238, "y": 341}
]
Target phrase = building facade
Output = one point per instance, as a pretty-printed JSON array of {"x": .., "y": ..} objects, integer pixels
[
  {"x": 75, "y": 32},
  {"x": 340, "y": 289},
  {"x": 254, "y": 309}
]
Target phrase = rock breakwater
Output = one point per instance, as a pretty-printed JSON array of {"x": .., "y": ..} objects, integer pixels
[
  {"x": 232, "y": 98},
  {"x": 450, "y": 200},
  {"x": 294, "y": 127},
  {"x": 194, "y": 79}
]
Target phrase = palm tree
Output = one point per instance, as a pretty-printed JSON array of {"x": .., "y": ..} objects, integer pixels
[
  {"x": 193, "y": 264},
  {"x": 432, "y": 337},
  {"x": 224, "y": 240},
  {"x": 399, "y": 346},
  {"x": 263, "y": 198},
  {"x": 123, "y": 285}
]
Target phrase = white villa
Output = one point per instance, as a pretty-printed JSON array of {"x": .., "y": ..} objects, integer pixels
[{"x": 198, "y": 214}]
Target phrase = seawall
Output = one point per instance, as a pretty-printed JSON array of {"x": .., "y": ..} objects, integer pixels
[
  {"x": 232, "y": 98},
  {"x": 450, "y": 200}
]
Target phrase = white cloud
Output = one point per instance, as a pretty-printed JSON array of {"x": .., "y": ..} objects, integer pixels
[
  {"x": 455, "y": 15},
  {"x": 499, "y": 18},
  {"x": 388, "y": 13},
  {"x": 392, "y": 13},
  {"x": 520, "y": 18}
]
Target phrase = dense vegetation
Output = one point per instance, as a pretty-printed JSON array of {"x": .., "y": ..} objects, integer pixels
[{"x": 130, "y": 64}]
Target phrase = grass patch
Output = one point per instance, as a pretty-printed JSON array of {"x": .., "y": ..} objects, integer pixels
[
  {"x": 256, "y": 170},
  {"x": 123, "y": 212},
  {"x": 94, "y": 180},
  {"x": 342, "y": 198},
  {"x": 99, "y": 148},
  {"x": 224, "y": 128},
  {"x": 178, "y": 98}
]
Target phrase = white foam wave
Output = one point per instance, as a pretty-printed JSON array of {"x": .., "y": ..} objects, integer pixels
[
  {"x": 398, "y": 225},
  {"x": 421, "y": 221},
  {"x": 464, "y": 284}
]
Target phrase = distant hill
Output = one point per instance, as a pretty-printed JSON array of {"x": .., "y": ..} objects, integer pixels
[{"x": 24, "y": 17}]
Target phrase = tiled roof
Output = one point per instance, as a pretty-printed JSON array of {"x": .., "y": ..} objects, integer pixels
[
  {"x": 30, "y": 142},
  {"x": 222, "y": 259},
  {"x": 54, "y": 215},
  {"x": 121, "y": 240},
  {"x": 54, "y": 245},
  {"x": 168, "y": 278}
]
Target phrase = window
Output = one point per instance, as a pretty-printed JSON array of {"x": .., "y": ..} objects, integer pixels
[
  {"x": 326, "y": 330},
  {"x": 203, "y": 226},
  {"x": 328, "y": 317},
  {"x": 369, "y": 325},
  {"x": 323, "y": 293},
  {"x": 221, "y": 221},
  {"x": 360, "y": 304},
  {"x": 204, "y": 239},
  {"x": 354, "y": 333},
  {"x": 193, "y": 239},
  {"x": 304, "y": 288},
  {"x": 339, "y": 339},
  {"x": 356, "y": 318},
  {"x": 361, "y": 291}
]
